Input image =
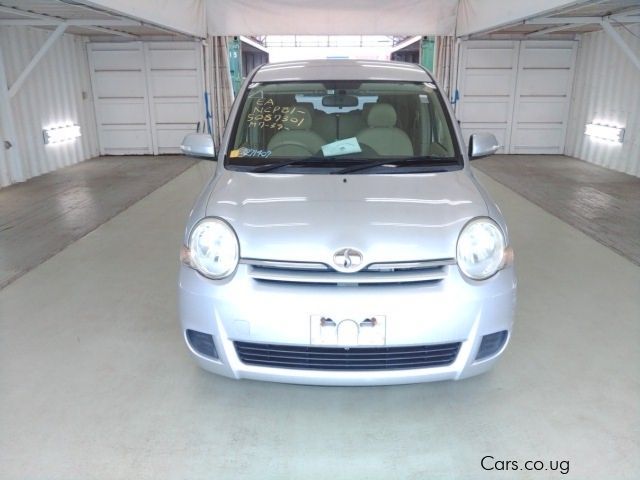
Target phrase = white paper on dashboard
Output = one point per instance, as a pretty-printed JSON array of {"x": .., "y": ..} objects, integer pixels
[{"x": 341, "y": 147}]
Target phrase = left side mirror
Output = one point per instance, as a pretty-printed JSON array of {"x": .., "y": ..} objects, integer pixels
[
  {"x": 198, "y": 145},
  {"x": 482, "y": 145}
]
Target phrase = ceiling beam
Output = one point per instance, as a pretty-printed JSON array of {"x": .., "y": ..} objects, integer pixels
[
  {"x": 406, "y": 43},
  {"x": 253, "y": 43},
  {"x": 557, "y": 28},
  {"x": 38, "y": 19},
  {"x": 105, "y": 23},
  {"x": 36, "y": 22},
  {"x": 626, "y": 15},
  {"x": 24, "y": 13},
  {"x": 563, "y": 23},
  {"x": 572, "y": 20},
  {"x": 110, "y": 31},
  {"x": 28, "y": 22}
]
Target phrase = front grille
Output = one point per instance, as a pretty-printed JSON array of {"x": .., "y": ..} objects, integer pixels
[
  {"x": 429, "y": 271},
  {"x": 347, "y": 359}
]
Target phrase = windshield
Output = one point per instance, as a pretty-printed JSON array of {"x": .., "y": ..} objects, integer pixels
[{"x": 342, "y": 126}]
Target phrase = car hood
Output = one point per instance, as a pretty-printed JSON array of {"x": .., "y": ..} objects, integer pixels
[{"x": 308, "y": 218}]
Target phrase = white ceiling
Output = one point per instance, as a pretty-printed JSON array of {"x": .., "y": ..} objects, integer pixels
[
  {"x": 135, "y": 19},
  {"x": 331, "y": 17},
  {"x": 394, "y": 17}
]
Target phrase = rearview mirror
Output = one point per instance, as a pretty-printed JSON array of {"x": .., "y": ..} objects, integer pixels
[
  {"x": 198, "y": 145},
  {"x": 482, "y": 145},
  {"x": 340, "y": 101}
]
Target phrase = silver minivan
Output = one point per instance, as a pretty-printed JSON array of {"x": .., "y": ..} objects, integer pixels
[{"x": 343, "y": 239}]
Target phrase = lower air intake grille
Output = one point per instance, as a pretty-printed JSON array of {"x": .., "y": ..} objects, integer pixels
[
  {"x": 202, "y": 343},
  {"x": 491, "y": 344},
  {"x": 347, "y": 359}
]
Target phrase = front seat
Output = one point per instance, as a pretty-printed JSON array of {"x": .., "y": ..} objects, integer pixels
[
  {"x": 296, "y": 139},
  {"x": 382, "y": 135}
]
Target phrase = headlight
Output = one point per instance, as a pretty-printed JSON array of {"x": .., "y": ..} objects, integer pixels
[
  {"x": 213, "y": 248},
  {"x": 481, "y": 249}
]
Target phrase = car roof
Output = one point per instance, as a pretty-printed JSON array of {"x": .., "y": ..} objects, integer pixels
[{"x": 341, "y": 69}]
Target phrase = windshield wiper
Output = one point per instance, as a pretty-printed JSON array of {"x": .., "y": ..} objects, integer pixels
[
  {"x": 267, "y": 167},
  {"x": 398, "y": 162}
]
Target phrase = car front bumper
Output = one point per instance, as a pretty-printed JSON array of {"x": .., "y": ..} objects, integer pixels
[{"x": 242, "y": 309}]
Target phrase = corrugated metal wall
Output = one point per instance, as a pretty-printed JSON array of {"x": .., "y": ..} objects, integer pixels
[
  {"x": 58, "y": 91},
  {"x": 606, "y": 90}
]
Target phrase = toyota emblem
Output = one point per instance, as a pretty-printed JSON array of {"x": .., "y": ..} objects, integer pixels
[{"x": 347, "y": 260}]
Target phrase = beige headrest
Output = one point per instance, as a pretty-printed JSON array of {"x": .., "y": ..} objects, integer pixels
[{"x": 382, "y": 115}]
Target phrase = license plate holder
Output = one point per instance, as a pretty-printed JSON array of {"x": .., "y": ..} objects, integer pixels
[{"x": 369, "y": 331}]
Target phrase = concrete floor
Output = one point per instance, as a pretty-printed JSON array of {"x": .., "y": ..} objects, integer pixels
[
  {"x": 95, "y": 382},
  {"x": 40, "y": 217},
  {"x": 600, "y": 202}
]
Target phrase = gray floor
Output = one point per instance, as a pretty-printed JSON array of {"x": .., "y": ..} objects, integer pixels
[
  {"x": 600, "y": 202},
  {"x": 95, "y": 382},
  {"x": 40, "y": 217}
]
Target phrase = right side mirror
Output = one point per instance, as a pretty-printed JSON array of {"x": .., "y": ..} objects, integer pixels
[
  {"x": 482, "y": 145},
  {"x": 198, "y": 145}
]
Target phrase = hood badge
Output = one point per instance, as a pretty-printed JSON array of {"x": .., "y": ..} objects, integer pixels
[{"x": 348, "y": 260}]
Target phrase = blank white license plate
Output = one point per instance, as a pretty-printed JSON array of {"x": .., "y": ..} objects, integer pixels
[{"x": 348, "y": 332}]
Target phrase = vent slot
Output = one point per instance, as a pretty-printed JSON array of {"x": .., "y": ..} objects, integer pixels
[
  {"x": 374, "y": 274},
  {"x": 347, "y": 359}
]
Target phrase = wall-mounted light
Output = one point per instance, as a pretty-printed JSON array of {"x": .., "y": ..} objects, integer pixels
[
  {"x": 61, "y": 134},
  {"x": 605, "y": 132}
]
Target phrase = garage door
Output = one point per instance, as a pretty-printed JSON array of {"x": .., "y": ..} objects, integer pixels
[
  {"x": 518, "y": 90},
  {"x": 147, "y": 95}
]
